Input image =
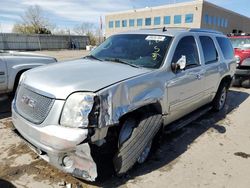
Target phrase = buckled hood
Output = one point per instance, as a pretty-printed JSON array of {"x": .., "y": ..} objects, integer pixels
[{"x": 62, "y": 79}]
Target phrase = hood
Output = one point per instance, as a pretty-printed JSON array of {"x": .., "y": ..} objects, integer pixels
[{"x": 62, "y": 79}]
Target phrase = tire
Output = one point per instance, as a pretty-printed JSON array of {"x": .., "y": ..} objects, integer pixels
[
  {"x": 237, "y": 82},
  {"x": 246, "y": 83},
  {"x": 141, "y": 137},
  {"x": 220, "y": 97}
]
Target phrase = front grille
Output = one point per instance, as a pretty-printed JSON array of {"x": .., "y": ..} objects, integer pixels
[{"x": 33, "y": 106}]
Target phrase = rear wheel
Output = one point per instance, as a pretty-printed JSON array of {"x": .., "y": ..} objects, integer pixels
[
  {"x": 135, "y": 146},
  {"x": 220, "y": 97}
]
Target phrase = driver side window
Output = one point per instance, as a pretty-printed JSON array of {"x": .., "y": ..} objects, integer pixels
[{"x": 187, "y": 47}]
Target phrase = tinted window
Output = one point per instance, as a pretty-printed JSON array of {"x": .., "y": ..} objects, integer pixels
[
  {"x": 166, "y": 19},
  {"x": 124, "y": 23},
  {"x": 131, "y": 23},
  {"x": 189, "y": 18},
  {"x": 117, "y": 23},
  {"x": 214, "y": 21},
  {"x": 218, "y": 21},
  {"x": 157, "y": 20},
  {"x": 111, "y": 24},
  {"x": 226, "y": 47},
  {"x": 148, "y": 21},
  {"x": 177, "y": 19},
  {"x": 209, "y": 50},
  {"x": 187, "y": 47},
  {"x": 210, "y": 19},
  {"x": 206, "y": 19},
  {"x": 139, "y": 22}
]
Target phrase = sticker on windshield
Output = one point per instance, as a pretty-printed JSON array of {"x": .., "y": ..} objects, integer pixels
[{"x": 155, "y": 38}]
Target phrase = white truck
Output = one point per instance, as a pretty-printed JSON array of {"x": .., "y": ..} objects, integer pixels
[{"x": 13, "y": 64}]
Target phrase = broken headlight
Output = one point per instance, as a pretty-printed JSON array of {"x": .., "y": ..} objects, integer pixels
[{"x": 77, "y": 109}]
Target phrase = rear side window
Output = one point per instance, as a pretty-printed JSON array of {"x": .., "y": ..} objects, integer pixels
[
  {"x": 209, "y": 50},
  {"x": 187, "y": 47},
  {"x": 226, "y": 47}
]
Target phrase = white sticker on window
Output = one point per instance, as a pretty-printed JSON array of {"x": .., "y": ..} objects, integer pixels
[{"x": 155, "y": 38}]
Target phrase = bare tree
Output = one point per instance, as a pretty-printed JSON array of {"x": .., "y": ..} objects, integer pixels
[
  {"x": 84, "y": 28},
  {"x": 33, "y": 21}
]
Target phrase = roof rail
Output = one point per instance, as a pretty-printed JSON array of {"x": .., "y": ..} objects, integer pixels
[
  {"x": 238, "y": 34},
  {"x": 205, "y": 31}
]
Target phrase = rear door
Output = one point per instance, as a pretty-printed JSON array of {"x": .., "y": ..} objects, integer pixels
[
  {"x": 212, "y": 65},
  {"x": 3, "y": 75}
]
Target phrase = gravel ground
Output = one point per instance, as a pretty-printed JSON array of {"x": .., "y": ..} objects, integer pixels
[{"x": 210, "y": 152}]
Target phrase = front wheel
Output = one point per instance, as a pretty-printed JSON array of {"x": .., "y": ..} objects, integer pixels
[
  {"x": 220, "y": 98},
  {"x": 135, "y": 141}
]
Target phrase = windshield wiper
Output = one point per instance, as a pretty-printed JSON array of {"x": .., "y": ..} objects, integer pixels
[
  {"x": 117, "y": 60},
  {"x": 92, "y": 57}
]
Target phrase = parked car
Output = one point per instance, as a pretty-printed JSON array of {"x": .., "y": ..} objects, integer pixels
[
  {"x": 14, "y": 64},
  {"x": 128, "y": 88},
  {"x": 241, "y": 44}
]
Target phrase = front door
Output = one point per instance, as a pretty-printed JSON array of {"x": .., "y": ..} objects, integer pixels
[{"x": 186, "y": 89}]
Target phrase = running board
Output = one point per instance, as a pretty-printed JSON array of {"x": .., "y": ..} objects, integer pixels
[{"x": 175, "y": 126}]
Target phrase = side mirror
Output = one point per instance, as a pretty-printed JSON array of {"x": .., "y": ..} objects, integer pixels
[{"x": 180, "y": 64}]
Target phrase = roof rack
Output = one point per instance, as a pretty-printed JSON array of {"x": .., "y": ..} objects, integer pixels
[{"x": 205, "y": 31}]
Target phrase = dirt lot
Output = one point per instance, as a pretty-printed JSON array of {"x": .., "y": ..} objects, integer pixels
[
  {"x": 64, "y": 54},
  {"x": 210, "y": 152}
]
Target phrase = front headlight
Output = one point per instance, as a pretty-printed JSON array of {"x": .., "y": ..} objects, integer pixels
[{"x": 76, "y": 110}]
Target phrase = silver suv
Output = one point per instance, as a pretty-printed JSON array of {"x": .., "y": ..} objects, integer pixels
[{"x": 121, "y": 95}]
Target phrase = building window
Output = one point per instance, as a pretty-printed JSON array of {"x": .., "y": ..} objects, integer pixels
[
  {"x": 210, "y": 20},
  {"x": 139, "y": 22},
  {"x": 206, "y": 18},
  {"x": 157, "y": 20},
  {"x": 214, "y": 20},
  {"x": 189, "y": 18},
  {"x": 166, "y": 19},
  {"x": 223, "y": 22},
  {"x": 148, "y": 21},
  {"x": 124, "y": 23},
  {"x": 218, "y": 21},
  {"x": 226, "y": 23},
  {"x": 131, "y": 23},
  {"x": 177, "y": 19},
  {"x": 111, "y": 24},
  {"x": 117, "y": 23}
]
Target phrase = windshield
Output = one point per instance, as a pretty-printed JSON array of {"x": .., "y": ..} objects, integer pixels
[
  {"x": 242, "y": 43},
  {"x": 134, "y": 49}
]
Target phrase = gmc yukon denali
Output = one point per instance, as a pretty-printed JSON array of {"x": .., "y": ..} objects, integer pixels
[
  {"x": 122, "y": 94},
  {"x": 13, "y": 64}
]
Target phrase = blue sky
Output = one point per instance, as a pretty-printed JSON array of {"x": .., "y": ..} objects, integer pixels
[{"x": 65, "y": 14}]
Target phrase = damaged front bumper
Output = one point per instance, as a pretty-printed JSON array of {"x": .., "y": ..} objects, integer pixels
[{"x": 64, "y": 150}]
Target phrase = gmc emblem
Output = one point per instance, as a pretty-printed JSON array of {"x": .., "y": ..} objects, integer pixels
[{"x": 28, "y": 101}]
